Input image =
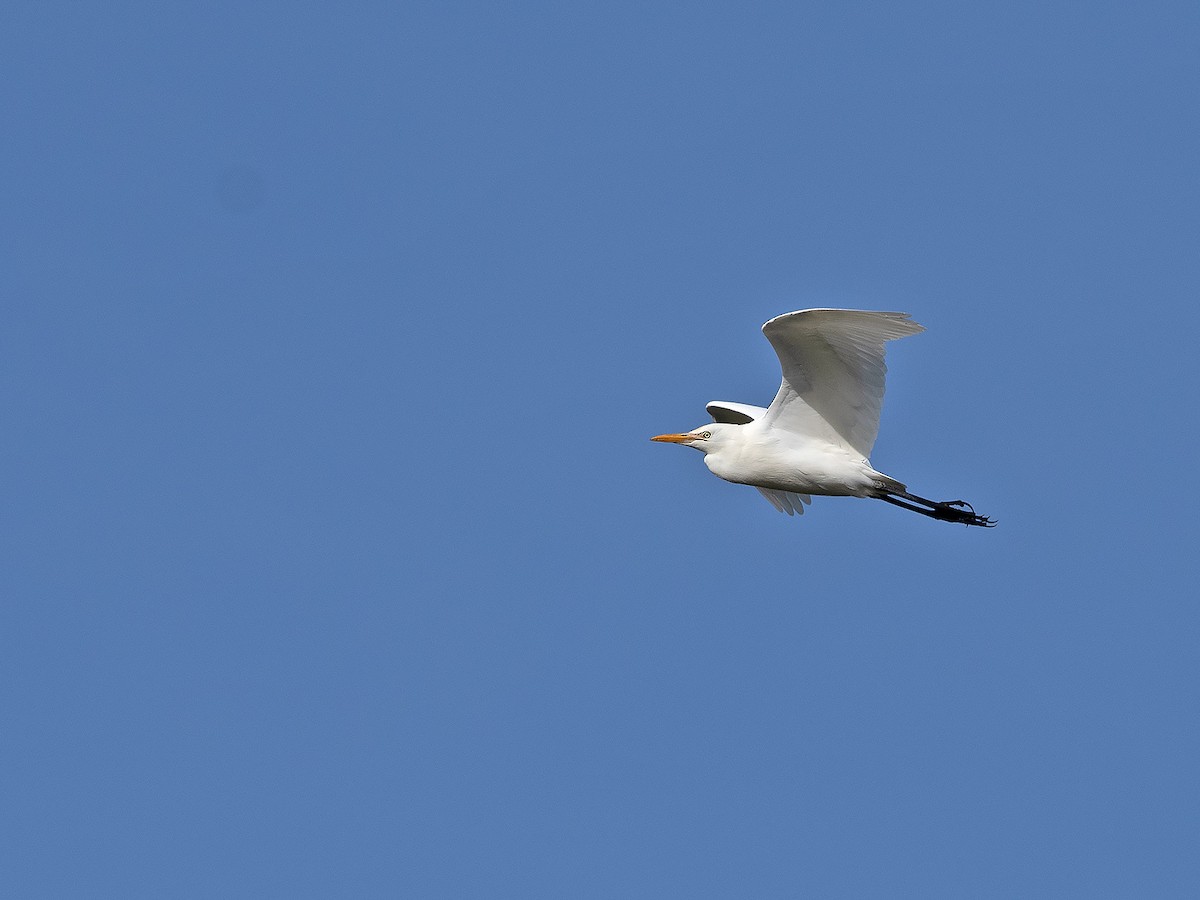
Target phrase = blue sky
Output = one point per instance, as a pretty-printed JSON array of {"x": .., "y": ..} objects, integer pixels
[{"x": 337, "y": 562}]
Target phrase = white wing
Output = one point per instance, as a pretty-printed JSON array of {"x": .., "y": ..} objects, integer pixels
[
  {"x": 833, "y": 372},
  {"x": 734, "y": 413},
  {"x": 786, "y": 501}
]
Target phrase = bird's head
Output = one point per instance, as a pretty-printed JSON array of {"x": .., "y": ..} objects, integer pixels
[{"x": 706, "y": 438}]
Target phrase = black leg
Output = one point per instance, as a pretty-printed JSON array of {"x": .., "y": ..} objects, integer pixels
[{"x": 948, "y": 511}]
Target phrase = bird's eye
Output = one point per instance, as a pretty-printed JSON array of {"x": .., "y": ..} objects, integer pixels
[{"x": 706, "y": 434}]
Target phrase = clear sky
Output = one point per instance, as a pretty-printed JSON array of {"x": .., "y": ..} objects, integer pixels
[{"x": 337, "y": 560}]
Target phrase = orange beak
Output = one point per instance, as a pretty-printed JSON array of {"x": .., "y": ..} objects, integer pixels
[{"x": 674, "y": 438}]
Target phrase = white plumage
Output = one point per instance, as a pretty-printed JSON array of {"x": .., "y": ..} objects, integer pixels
[{"x": 816, "y": 436}]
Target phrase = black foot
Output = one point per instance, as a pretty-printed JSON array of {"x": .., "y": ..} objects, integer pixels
[{"x": 958, "y": 511}]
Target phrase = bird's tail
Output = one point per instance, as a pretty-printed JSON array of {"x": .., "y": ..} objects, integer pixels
[{"x": 888, "y": 484}]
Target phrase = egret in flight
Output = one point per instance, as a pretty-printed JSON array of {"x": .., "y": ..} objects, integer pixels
[{"x": 817, "y": 434}]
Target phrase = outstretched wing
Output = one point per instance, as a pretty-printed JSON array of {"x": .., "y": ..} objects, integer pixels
[
  {"x": 833, "y": 372},
  {"x": 734, "y": 413},
  {"x": 786, "y": 501}
]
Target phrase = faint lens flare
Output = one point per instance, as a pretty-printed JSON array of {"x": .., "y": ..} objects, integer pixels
[{"x": 240, "y": 189}]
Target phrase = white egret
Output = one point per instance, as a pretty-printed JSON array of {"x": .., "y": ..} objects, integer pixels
[{"x": 817, "y": 434}]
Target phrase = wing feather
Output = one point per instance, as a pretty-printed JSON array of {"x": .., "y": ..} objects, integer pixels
[
  {"x": 833, "y": 372},
  {"x": 734, "y": 413},
  {"x": 786, "y": 501}
]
